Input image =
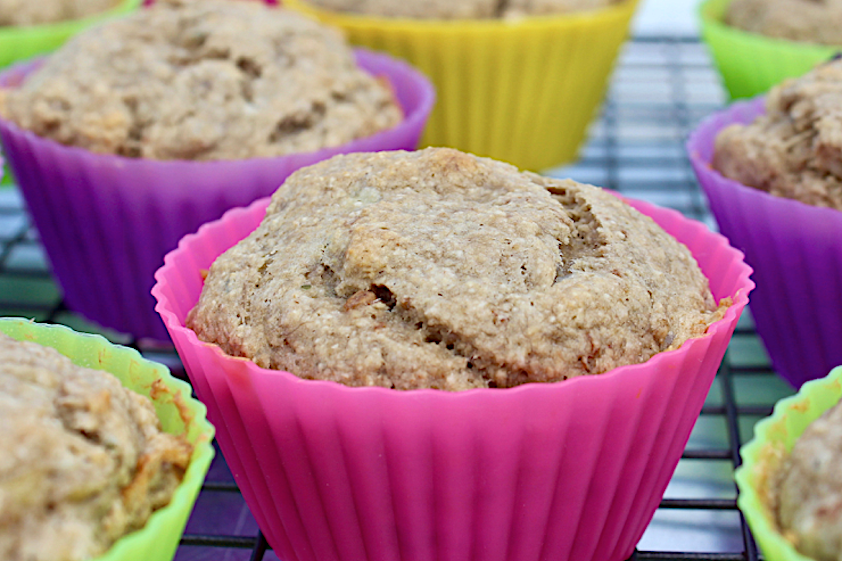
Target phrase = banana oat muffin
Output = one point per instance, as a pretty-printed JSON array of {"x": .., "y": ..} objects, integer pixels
[
  {"x": 795, "y": 149},
  {"x": 438, "y": 269},
  {"x": 34, "y": 12},
  {"x": 461, "y": 9},
  {"x": 809, "y": 500},
  {"x": 204, "y": 80},
  {"x": 812, "y": 21},
  {"x": 83, "y": 460}
]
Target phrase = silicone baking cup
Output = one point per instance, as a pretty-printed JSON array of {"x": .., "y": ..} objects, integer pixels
[
  {"x": 106, "y": 221},
  {"x": 19, "y": 43},
  {"x": 521, "y": 91},
  {"x": 794, "y": 250},
  {"x": 763, "y": 455},
  {"x": 750, "y": 64},
  {"x": 178, "y": 412},
  {"x": 565, "y": 471}
]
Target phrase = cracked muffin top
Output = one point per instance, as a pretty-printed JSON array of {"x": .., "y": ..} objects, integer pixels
[
  {"x": 439, "y": 269},
  {"x": 809, "y": 489},
  {"x": 461, "y": 9},
  {"x": 203, "y": 80},
  {"x": 29, "y": 12},
  {"x": 795, "y": 149},
  {"x": 83, "y": 460},
  {"x": 812, "y": 21}
]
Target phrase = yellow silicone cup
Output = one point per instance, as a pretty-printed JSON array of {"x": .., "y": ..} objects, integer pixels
[
  {"x": 750, "y": 64},
  {"x": 521, "y": 91},
  {"x": 774, "y": 437},
  {"x": 19, "y": 43},
  {"x": 179, "y": 414}
]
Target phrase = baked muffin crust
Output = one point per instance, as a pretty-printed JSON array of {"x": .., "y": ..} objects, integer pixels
[
  {"x": 810, "y": 21},
  {"x": 443, "y": 270},
  {"x": 795, "y": 149},
  {"x": 28, "y": 12},
  {"x": 810, "y": 490},
  {"x": 204, "y": 80},
  {"x": 461, "y": 9},
  {"x": 84, "y": 460}
]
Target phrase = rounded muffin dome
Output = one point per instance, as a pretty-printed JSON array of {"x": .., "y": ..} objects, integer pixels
[{"x": 444, "y": 270}]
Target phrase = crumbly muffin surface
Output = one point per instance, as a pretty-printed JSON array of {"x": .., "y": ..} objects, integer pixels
[
  {"x": 83, "y": 462},
  {"x": 34, "y": 12},
  {"x": 798, "y": 20},
  {"x": 438, "y": 269},
  {"x": 204, "y": 80},
  {"x": 461, "y": 9},
  {"x": 810, "y": 489},
  {"x": 795, "y": 149}
]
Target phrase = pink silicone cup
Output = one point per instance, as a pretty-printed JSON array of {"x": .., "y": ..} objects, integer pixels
[
  {"x": 106, "y": 221},
  {"x": 796, "y": 254},
  {"x": 565, "y": 471}
]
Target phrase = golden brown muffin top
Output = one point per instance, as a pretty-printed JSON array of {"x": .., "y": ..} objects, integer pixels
[
  {"x": 83, "y": 460},
  {"x": 204, "y": 80},
  {"x": 34, "y": 12},
  {"x": 438, "y": 269},
  {"x": 461, "y": 9},
  {"x": 812, "y": 21}
]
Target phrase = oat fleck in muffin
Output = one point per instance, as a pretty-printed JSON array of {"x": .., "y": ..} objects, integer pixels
[
  {"x": 83, "y": 460},
  {"x": 809, "y": 501},
  {"x": 204, "y": 80},
  {"x": 461, "y": 9},
  {"x": 812, "y": 21},
  {"x": 795, "y": 149},
  {"x": 443, "y": 270},
  {"x": 34, "y": 12}
]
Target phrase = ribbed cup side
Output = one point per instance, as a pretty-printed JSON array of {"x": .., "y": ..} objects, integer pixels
[
  {"x": 106, "y": 222},
  {"x": 567, "y": 471},
  {"x": 521, "y": 91},
  {"x": 795, "y": 253}
]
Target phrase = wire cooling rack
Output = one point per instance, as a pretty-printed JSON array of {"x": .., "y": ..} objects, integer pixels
[{"x": 662, "y": 87}]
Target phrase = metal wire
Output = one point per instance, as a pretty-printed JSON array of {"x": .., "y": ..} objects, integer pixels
[{"x": 636, "y": 147}]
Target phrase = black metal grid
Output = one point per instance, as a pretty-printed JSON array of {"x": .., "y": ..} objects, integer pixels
[{"x": 661, "y": 88}]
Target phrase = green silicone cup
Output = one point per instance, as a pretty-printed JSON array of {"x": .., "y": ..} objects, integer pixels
[
  {"x": 773, "y": 438},
  {"x": 19, "y": 43},
  {"x": 158, "y": 540},
  {"x": 750, "y": 64}
]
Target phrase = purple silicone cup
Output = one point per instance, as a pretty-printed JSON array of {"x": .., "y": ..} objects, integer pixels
[
  {"x": 106, "y": 221},
  {"x": 796, "y": 254}
]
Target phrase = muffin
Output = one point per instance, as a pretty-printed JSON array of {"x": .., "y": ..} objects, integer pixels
[
  {"x": 472, "y": 9},
  {"x": 794, "y": 150},
  {"x": 797, "y": 20},
  {"x": 438, "y": 269},
  {"x": 772, "y": 181},
  {"x": 140, "y": 130},
  {"x": 572, "y": 470},
  {"x": 19, "y": 13},
  {"x": 789, "y": 487},
  {"x": 90, "y": 467},
  {"x": 521, "y": 88},
  {"x": 756, "y": 44}
]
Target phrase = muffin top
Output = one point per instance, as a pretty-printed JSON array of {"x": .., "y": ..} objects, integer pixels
[
  {"x": 438, "y": 269},
  {"x": 203, "y": 80},
  {"x": 29, "y": 12},
  {"x": 798, "y": 20},
  {"x": 84, "y": 460},
  {"x": 461, "y": 9},
  {"x": 795, "y": 149},
  {"x": 809, "y": 504}
]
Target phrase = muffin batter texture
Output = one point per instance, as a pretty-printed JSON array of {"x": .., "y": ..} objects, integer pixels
[
  {"x": 461, "y": 9},
  {"x": 204, "y": 80},
  {"x": 795, "y": 149},
  {"x": 83, "y": 460},
  {"x": 810, "y": 489},
  {"x": 810, "y": 21},
  {"x": 438, "y": 269}
]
